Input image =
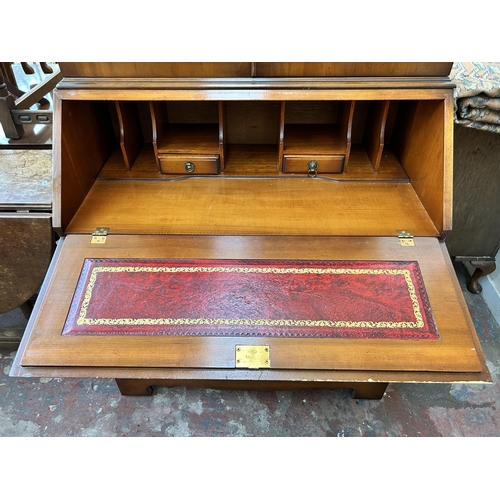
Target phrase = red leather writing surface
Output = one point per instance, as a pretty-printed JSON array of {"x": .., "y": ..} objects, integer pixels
[{"x": 336, "y": 299}]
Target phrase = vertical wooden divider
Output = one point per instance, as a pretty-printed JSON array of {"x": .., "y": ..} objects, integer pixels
[
  {"x": 281, "y": 137},
  {"x": 374, "y": 136},
  {"x": 222, "y": 135},
  {"x": 158, "y": 116},
  {"x": 346, "y": 130},
  {"x": 131, "y": 138}
]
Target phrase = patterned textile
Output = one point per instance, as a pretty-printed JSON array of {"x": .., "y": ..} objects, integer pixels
[
  {"x": 336, "y": 299},
  {"x": 477, "y": 94}
]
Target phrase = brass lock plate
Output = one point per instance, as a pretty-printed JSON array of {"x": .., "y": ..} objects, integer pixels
[{"x": 253, "y": 356}]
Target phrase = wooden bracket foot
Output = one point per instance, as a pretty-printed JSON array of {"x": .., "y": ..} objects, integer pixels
[
  {"x": 144, "y": 387},
  {"x": 134, "y": 387},
  {"x": 369, "y": 390}
]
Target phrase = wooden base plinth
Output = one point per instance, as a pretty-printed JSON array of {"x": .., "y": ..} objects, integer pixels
[{"x": 144, "y": 387}]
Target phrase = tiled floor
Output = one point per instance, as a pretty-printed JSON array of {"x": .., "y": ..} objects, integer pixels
[{"x": 92, "y": 407}]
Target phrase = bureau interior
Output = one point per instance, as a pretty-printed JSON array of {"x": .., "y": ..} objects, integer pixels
[{"x": 244, "y": 167}]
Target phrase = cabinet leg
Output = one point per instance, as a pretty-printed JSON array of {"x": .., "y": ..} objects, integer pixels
[
  {"x": 483, "y": 268},
  {"x": 369, "y": 390},
  {"x": 134, "y": 387}
]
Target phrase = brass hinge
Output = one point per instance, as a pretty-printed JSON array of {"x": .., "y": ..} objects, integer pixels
[
  {"x": 99, "y": 235},
  {"x": 405, "y": 238},
  {"x": 252, "y": 356}
]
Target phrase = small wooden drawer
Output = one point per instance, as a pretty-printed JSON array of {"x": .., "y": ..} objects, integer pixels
[
  {"x": 302, "y": 164},
  {"x": 189, "y": 164}
]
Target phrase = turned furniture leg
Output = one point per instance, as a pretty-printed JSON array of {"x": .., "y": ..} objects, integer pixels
[
  {"x": 483, "y": 268},
  {"x": 46, "y": 68},
  {"x": 368, "y": 390},
  {"x": 134, "y": 387}
]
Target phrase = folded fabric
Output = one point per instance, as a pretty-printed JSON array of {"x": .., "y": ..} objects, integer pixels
[{"x": 477, "y": 94}]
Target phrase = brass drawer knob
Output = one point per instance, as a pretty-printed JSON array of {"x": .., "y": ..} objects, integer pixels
[
  {"x": 189, "y": 166},
  {"x": 312, "y": 168}
]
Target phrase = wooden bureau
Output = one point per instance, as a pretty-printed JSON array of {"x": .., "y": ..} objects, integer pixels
[{"x": 287, "y": 161}]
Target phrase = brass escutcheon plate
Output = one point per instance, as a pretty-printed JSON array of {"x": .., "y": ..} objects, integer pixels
[{"x": 252, "y": 356}]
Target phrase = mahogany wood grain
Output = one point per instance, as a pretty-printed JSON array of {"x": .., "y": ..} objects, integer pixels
[
  {"x": 364, "y": 69},
  {"x": 156, "y": 70},
  {"x": 455, "y": 352},
  {"x": 262, "y": 69},
  {"x": 270, "y": 206},
  {"x": 131, "y": 138}
]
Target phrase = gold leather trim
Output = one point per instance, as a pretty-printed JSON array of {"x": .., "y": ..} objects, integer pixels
[{"x": 83, "y": 320}]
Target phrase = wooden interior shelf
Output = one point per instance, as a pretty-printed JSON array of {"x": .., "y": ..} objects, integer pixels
[
  {"x": 200, "y": 138},
  {"x": 315, "y": 139},
  {"x": 245, "y": 206}
]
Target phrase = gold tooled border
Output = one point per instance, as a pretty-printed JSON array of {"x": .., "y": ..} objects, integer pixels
[{"x": 83, "y": 320}]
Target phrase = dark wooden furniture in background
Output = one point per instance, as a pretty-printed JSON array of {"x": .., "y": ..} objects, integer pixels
[
  {"x": 18, "y": 114},
  {"x": 476, "y": 210},
  {"x": 228, "y": 161},
  {"x": 26, "y": 236},
  {"x": 255, "y": 69}
]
